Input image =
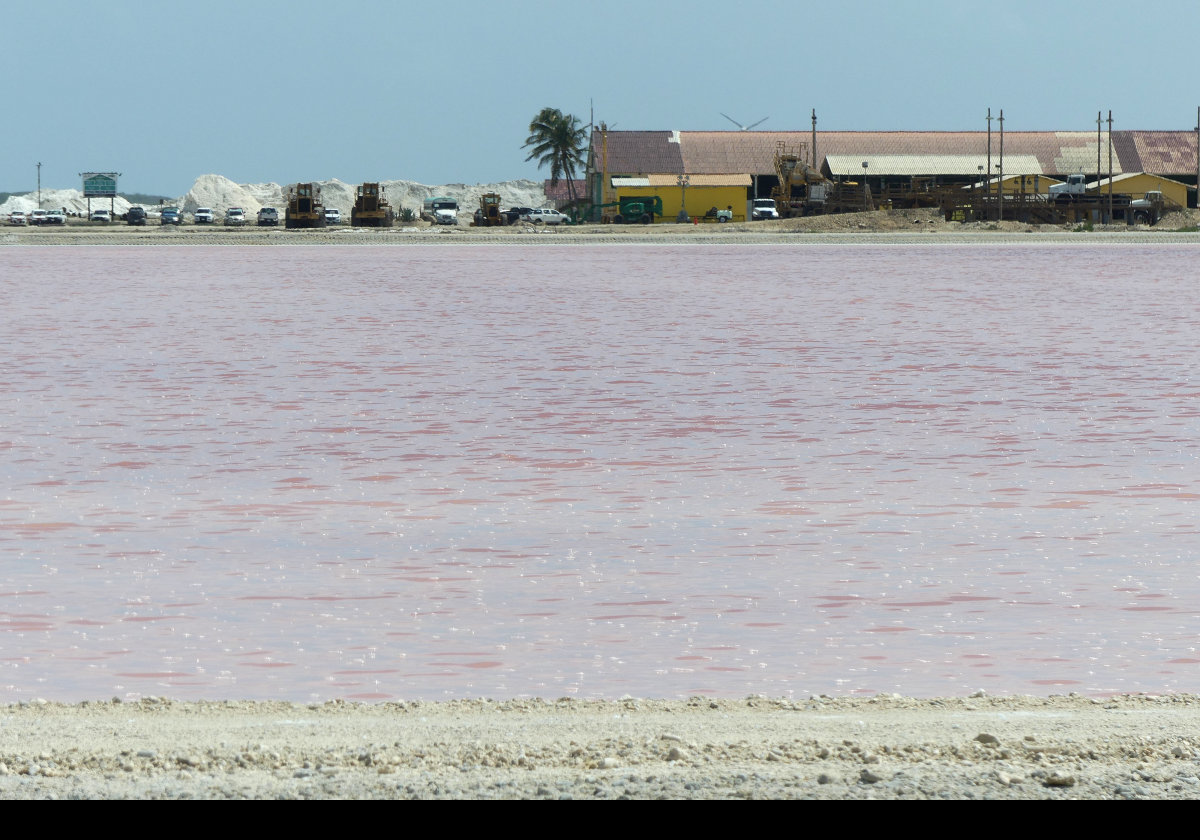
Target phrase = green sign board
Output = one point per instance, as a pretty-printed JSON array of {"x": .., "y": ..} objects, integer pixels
[{"x": 99, "y": 184}]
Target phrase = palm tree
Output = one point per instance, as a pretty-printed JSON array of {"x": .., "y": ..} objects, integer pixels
[{"x": 557, "y": 140}]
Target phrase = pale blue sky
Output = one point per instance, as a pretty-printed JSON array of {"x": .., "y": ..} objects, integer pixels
[{"x": 442, "y": 92}]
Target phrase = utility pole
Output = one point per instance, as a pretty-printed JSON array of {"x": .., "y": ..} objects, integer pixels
[
  {"x": 988, "y": 181},
  {"x": 39, "y": 185},
  {"x": 1098, "y": 115},
  {"x": 1198, "y": 156},
  {"x": 1110, "y": 166},
  {"x": 1000, "y": 183},
  {"x": 814, "y": 135}
]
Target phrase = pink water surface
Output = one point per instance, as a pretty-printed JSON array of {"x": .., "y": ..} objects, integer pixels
[{"x": 432, "y": 472}]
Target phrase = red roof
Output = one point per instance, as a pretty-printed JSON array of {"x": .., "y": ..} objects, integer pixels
[
  {"x": 636, "y": 152},
  {"x": 561, "y": 191},
  {"x": 1057, "y": 152}
]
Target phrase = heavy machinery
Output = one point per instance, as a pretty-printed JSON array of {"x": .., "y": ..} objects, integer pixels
[
  {"x": 370, "y": 208},
  {"x": 488, "y": 214},
  {"x": 304, "y": 207},
  {"x": 802, "y": 189},
  {"x": 632, "y": 209}
]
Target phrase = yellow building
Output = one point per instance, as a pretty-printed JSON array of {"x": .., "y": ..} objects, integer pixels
[
  {"x": 1024, "y": 184},
  {"x": 1137, "y": 184},
  {"x": 696, "y": 195}
]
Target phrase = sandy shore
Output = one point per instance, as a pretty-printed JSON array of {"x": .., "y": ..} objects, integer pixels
[
  {"x": 884, "y": 747},
  {"x": 880, "y": 227}
]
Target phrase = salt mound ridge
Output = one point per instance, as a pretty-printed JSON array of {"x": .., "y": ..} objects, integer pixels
[
  {"x": 70, "y": 200},
  {"x": 220, "y": 193}
]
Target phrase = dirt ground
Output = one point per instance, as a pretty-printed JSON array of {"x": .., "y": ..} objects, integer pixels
[
  {"x": 886, "y": 747},
  {"x": 874, "y": 226}
]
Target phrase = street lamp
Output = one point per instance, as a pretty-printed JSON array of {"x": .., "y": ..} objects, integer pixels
[{"x": 682, "y": 181}]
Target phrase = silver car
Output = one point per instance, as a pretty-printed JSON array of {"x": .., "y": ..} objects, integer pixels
[{"x": 545, "y": 216}]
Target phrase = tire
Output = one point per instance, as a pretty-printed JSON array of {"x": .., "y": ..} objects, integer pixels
[
  {"x": 721, "y": 220},
  {"x": 620, "y": 220},
  {"x": 645, "y": 219}
]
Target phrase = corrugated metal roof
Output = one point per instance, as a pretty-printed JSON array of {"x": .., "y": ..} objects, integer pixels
[
  {"x": 1057, "y": 152},
  {"x": 636, "y": 152},
  {"x": 714, "y": 152},
  {"x": 701, "y": 180},
  {"x": 1168, "y": 152},
  {"x": 1127, "y": 176},
  {"x": 852, "y": 165},
  {"x": 562, "y": 190}
]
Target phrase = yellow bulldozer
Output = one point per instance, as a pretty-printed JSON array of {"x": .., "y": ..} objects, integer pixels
[
  {"x": 488, "y": 214},
  {"x": 304, "y": 207},
  {"x": 371, "y": 209}
]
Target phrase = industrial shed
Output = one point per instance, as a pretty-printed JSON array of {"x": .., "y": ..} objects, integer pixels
[
  {"x": 1137, "y": 184},
  {"x": 1023, "y": 184},
  {"x": 892, "y": 156},
  {"x": 697, "y": 197}
]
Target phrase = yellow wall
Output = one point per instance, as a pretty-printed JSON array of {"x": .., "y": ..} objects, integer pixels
[
  {"x": 699, "y": 200},
  {"x": 1139, "y": 185},
  {"x": 1013, "y": 186}
]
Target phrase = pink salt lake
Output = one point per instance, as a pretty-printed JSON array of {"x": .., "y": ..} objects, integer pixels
[{"x": 432, "y": 472}]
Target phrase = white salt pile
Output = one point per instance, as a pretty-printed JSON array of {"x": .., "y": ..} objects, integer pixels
[
  {"x": 72, "y": 201},
  {"x": 220, "y": 193}
]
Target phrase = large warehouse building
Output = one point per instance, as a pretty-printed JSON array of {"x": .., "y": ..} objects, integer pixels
[{"x": 699, "y": 170}]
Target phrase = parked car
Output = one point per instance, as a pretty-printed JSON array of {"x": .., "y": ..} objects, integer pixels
[
  {"x": 203, "y": 216},
  {"x": 100, "y": 216},
  {"x": 135, "y": 216},
  {"x": 546, "y": 216},
  {"x": 268, "y": 216},
  {"x": 513, "y": 214},
  {"x": 54, "y": 217},
  {"x": 171, "y": 216},
  {"x": 333, "y": 216},
  {"x": 17, "y": 217},
  {"x": 235, "y": 217},
  {"x": 37, "y": 217}
]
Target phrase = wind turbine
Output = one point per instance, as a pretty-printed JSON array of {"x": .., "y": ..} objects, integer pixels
[{"x": 743, "y": 127}]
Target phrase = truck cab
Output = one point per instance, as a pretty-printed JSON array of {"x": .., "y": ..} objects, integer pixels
[
  {"x": 1074, "y": 185},
  {"x": 763, "y": 208},
  {"x": 440, "y": 210}
]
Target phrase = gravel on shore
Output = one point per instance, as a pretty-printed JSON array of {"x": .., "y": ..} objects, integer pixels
[
  {"x": 877, "y": 227},
  {"x": 886, "y": 747}
]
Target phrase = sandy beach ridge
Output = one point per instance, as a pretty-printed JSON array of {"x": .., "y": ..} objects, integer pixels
[
  {"x": 885, "y": 747},
  {"x": 877, "y": 227}
]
